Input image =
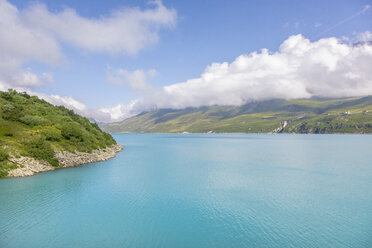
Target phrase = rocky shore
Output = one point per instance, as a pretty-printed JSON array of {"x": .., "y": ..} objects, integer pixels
[{"x": 29, "y": 166}]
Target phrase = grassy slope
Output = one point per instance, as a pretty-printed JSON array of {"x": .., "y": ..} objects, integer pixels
[
  {"x": 32, "y": 127},
  {"x": 302, "y": 116}
]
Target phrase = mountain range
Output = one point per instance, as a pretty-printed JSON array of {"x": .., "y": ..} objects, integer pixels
[{"x": 314, "y": 115}]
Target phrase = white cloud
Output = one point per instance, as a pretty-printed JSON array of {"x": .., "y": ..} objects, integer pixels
[
  {"x": 136, "y": 79},
  {"x": 126, "y": 30},
  {"x": 364, "y": 36},
  {"x": 299, "y": 69},
  {"x": 72, "y": 103},
  {"x": 35, "y": 33},
  {"x": 120, "y": 111}
]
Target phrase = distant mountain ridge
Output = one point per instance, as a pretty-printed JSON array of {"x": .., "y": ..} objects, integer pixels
[{"x": 315, "y": 115}]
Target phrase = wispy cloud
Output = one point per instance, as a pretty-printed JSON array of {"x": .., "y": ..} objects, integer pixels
[
  {"x": 285, "y": 25},
  {"x": 364, "y": 10},
  {"x": 297, "y": 24},
  {"x": 136, "y": 79}
]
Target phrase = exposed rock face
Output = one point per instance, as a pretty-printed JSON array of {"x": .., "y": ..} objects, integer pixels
[
  {"x": 29, "y": 166},
  {"x": 68, "y": 159},
  {"x": 280, "y": 129}
]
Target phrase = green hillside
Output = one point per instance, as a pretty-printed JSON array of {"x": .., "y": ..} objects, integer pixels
[
  {"x": 32, "y": 127},
  {"x": 349, "y": 115}
]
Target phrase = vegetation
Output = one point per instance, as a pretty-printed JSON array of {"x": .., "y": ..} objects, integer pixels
[
  {"x": 350, "y": 115},
  {"x": 33, "y": 127}
]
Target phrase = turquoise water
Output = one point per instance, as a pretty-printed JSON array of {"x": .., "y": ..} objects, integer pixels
[{"x": 200, "y": 190}]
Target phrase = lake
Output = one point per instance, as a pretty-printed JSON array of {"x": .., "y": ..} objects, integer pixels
[{"x": 200, "y": 190}]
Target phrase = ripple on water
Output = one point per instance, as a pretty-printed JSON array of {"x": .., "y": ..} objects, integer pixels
[{"x": 217, "y": 190}]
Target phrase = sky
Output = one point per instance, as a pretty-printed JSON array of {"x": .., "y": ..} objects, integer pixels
[{"x": 109, "y": 60}]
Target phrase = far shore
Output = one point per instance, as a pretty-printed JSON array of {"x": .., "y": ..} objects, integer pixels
[{"x": 255, "y": 133}]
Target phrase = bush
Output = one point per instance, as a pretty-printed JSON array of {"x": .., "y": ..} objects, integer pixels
[
  {"x": 5, "y": 166},
  {"x": 7, "y": 108},
  {"x": 109, "y": 140},
  {"x": 52, "y": 134},
  {"x": 11, "y": 112},
  {"x": 40, "y": 149},
  {"x": 32, "y": 120},
  {"x": 3, "y": 155},
  {"x": 72, "y": 131},
  {"x": 3, "y": 170},
  {"x": 7, "y": 96},
  {"x": 25, "y": 95}
]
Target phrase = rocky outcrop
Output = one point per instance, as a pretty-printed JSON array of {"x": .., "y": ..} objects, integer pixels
[
  {"x": 280, "y": 129},
  {"x": 29, "y": 166}
]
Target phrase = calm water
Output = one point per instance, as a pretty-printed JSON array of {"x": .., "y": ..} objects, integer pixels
[{"x": 211, "y": 190}]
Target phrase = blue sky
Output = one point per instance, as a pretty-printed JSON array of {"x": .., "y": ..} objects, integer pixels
[{"x": 203, "y": 32}]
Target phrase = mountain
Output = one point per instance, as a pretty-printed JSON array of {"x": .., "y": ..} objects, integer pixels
[
  {"x": 315, "y": 115},
  {"x": 33, "y": 129}
]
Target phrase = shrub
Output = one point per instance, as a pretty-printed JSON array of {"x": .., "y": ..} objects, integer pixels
[
  {"x": 109, "y": 140},
  {"x": 7, "y": 108},
  {"x": 25, "y": 95},
  {"x": 52, "y": 134},
  {"x": 11, "y": 112},
  {"x": 40, "y": 149},
  {"x": 3, "y": 170},
  {"x": 7, "y": 96},
  {"x": 5, "y": 166},
  {"x": 32, "y": 120},
  {"x": 72, "y": 130},
  {"x": 9, "y": 134},
  {"x": 3, "y": 155}
]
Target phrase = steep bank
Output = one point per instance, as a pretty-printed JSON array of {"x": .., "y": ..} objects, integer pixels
[{"x": 28, "y": 166}]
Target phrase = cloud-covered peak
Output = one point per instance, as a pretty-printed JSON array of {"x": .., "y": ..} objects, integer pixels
[{"x": 299, "y": 69}]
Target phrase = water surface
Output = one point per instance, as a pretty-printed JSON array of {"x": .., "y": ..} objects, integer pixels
[{"x": 200, "y": 190}]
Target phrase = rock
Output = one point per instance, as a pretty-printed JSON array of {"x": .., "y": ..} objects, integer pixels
[
  {"x": 69, "y": 159},
  {"x": 29, "y": 166},
  {"x": 280, "y": 129}
]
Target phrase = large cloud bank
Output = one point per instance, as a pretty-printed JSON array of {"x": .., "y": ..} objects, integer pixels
[{"x": 299, "y": 69}]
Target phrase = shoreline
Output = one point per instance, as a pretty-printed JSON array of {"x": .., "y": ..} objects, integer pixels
[
  {"x": 254, "y": 133},
  {"x": 29, "y": 166}
]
